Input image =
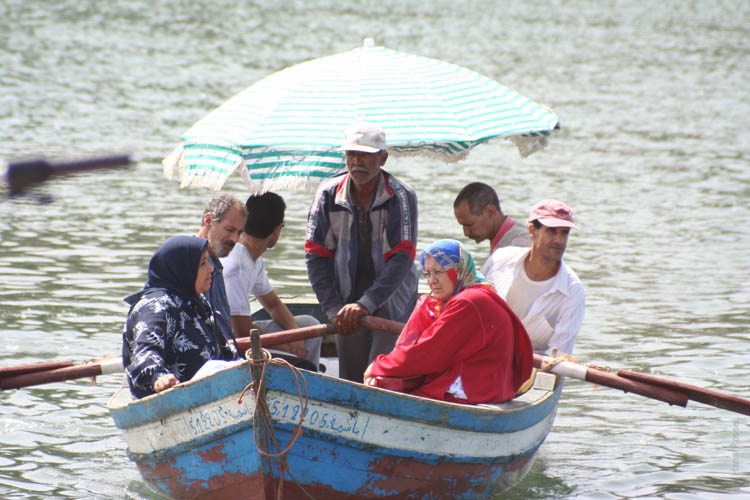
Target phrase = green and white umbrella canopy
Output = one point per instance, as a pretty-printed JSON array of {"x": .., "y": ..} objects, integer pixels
[{"x": 284, "y": 131}]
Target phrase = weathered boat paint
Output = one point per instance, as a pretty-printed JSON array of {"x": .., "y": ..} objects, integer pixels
[{"x": 196, "y": 441}]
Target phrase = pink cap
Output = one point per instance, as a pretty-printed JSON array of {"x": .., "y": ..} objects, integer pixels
[{"x": 553, "y": 213}]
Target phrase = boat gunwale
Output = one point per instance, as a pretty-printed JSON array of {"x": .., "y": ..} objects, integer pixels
[{"x": 361, "y": 398}]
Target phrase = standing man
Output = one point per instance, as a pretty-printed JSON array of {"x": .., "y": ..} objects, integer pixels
[
  {"x": 245, "y": 275},
  {"x": 222, "y": 223},
  {"x": 540, "y": 288},
  {"x": 477, "y": 209},
  {"x": 360, "y": 246}
]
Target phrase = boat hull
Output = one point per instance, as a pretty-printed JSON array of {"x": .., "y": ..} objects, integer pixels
[{"x": 197, "y": 441}]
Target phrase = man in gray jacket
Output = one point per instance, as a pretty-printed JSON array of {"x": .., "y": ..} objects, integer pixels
[{"x": 359, "y": 249}]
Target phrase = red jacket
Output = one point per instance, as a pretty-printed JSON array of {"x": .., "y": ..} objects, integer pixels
[{"x": 477, "y": 337}]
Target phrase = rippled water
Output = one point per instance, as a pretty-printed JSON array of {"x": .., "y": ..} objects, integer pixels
[{"x": 653, "y": 155}]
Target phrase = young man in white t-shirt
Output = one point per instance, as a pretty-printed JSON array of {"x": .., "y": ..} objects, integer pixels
[
  {"x": 245, "y": 275},
  {"x": 541, "y": 289}
]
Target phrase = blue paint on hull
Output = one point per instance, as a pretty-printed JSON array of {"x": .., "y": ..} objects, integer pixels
[
  {"x": 188, "y": 473},
  {"x": 329, "y": 466},
  {"x": 388, "y": 472},
  {"x": 335, "y": 466}
]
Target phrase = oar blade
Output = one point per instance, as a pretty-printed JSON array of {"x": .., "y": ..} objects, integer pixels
[{"x": 693, "y": 392}]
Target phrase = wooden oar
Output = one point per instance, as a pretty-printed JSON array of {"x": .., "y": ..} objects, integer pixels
[
  {"x": 272, "y": 339},
  {"x": 9, "y": 371},
  {"x": 650, "y": 386},
  {"x": 675, "y": 393},
  {"x": 16, "y": 377},
  {"x": 580, "y": 371},
  {"x": 705, "y": 396},
  {"x": 382, "y": 324},
  {"x": 87, "y": 369}
]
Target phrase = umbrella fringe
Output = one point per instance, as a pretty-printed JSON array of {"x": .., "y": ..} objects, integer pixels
[
  {"x": 432, "y": 154},
  {"x": 279, "y": 183},
  {"x": 174, "y": 163},
  {"x": 171, "y": 162},
  {"x": 528, "y": 145}
]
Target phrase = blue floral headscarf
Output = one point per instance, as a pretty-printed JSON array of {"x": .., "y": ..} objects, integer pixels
[{"x": 457, "y": 261}]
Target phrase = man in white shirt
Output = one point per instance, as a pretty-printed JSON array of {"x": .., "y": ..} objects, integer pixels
[
  {"x": 477, "y": 209},
  {"x": 245, "y": 275},
  {"x": 540, "y": 288}
]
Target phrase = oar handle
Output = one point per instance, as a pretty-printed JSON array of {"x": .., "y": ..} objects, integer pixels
[
  {"x": 308, "y": 332},
  {"x": 272, "y": 339},
  {"x": 382, "y": 324},
  {"x": 597, "y": 376}
]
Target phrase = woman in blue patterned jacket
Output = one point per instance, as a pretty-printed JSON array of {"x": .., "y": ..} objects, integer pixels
[{"x": 170, "y": 331}]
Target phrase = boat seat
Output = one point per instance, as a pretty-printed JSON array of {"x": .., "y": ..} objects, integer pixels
[
  {"x": 543, "y": 384},
  {"x": 528, "y": 384}
]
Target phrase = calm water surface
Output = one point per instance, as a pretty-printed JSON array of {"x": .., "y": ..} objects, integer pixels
[{"x": 653, "y": 156}]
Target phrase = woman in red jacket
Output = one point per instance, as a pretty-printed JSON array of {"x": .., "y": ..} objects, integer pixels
[{"x": 462, "y": 342}]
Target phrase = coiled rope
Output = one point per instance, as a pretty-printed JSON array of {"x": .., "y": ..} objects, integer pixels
[{"x": 262, "y": 420}]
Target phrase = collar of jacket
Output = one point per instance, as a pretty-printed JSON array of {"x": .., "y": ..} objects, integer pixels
[{"x": 383, "y": 191}]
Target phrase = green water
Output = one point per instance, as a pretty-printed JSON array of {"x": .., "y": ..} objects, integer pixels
[{"x": 653, "y": 156}]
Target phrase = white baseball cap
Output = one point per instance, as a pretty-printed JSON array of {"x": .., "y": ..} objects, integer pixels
[{"x": 365, "y": 137}]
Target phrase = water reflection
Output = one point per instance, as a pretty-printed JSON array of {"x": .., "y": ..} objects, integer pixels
[{"x": 538, "y": 485}]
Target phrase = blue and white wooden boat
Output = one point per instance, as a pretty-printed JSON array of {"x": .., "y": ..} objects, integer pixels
[{"x": 196, "y": 441}]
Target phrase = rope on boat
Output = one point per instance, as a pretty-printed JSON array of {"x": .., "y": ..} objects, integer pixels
[
  {"x": 548, "y": 367},
  {"x": 261, "y": 415},
  {"x": 557, "y": 360},
  {"x": 567, "y": 357}
]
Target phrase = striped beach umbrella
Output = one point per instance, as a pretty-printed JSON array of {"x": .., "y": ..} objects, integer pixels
[{"x": 284, "y": 131}]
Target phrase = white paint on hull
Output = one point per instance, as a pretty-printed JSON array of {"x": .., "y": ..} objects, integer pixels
[{"x": 334, "y": 420}]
